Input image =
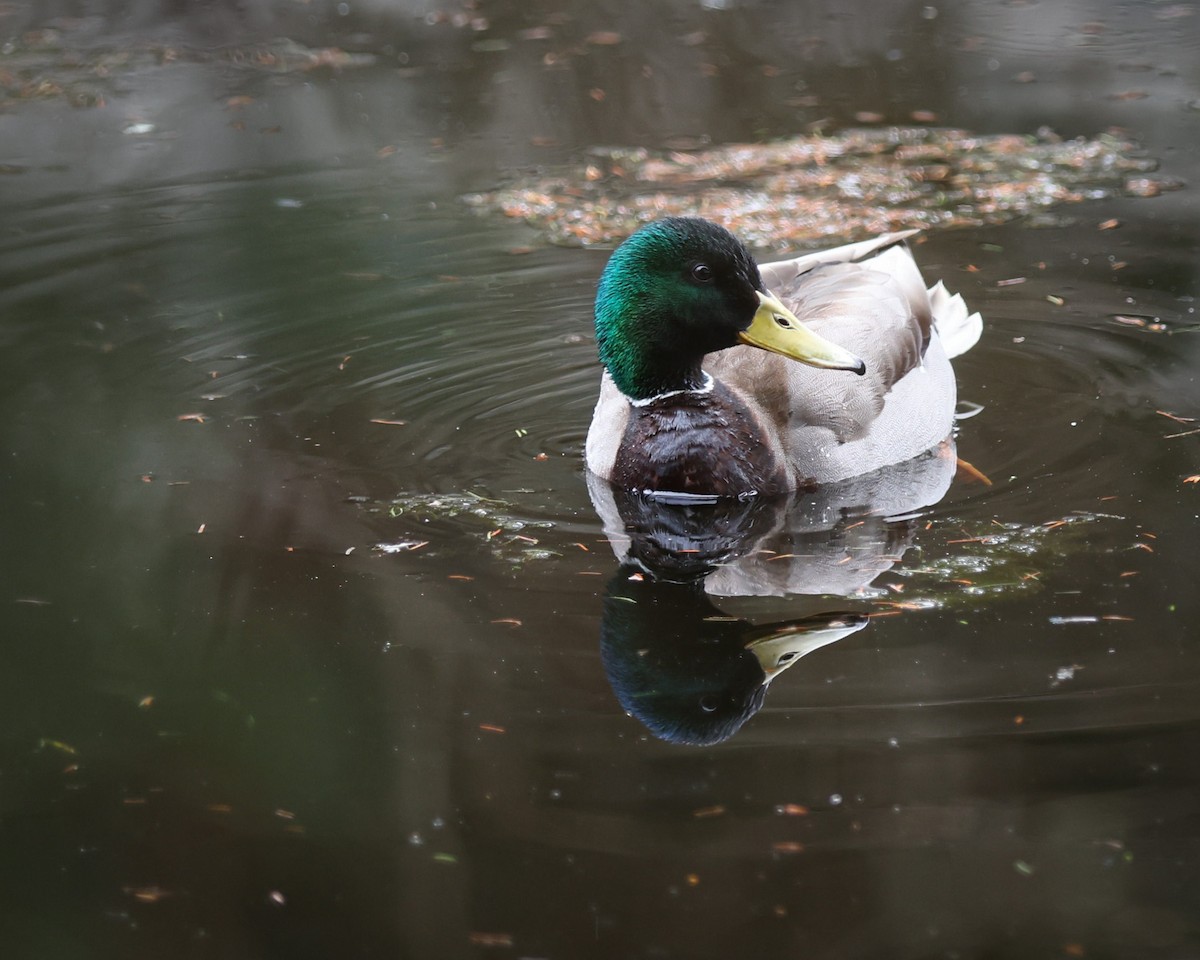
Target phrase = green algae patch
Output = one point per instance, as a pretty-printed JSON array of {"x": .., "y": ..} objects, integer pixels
[{"x": 810, "y": 189}]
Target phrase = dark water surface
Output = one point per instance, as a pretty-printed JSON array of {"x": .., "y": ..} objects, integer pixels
[{"x": 281, "y": 681}]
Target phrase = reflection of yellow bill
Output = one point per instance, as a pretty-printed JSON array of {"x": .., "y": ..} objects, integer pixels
[
  {"x": 777, "y": 646},
  {"x": 777, "y": 329}
]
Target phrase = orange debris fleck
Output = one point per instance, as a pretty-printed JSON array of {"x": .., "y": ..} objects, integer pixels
[
  {"x": 151, "y": 894},
  {"x": 490, "y": 939},
  {"x": 972, "y": 472}
]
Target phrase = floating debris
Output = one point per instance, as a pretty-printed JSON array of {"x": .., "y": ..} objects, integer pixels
[
  {"x": 1175, "y": 416},
  {"x": 35, "y": 68},
  {"x": 403, "y": 546},
  {"x": 485, "y": 939},
  {"x": 1133, "y": 320},
  {"x": 495, "y": 523},
  {"x": 149, "y": 894},
  {"x": 1151, "y": 186},
  {"x": 998, "y": 559},
  {"x": 808, "y": 189}
]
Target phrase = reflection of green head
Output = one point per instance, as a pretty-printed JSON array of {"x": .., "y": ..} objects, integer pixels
[
  {"x": 689, "y": 673},
  {"x": 676, "y": 290},
  {"x": 675, "y": 662}
]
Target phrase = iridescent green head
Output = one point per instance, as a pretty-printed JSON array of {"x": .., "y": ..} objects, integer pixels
[{"x": 681, "y": 288}]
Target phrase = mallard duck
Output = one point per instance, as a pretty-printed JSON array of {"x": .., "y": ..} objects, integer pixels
[{"x": 701, "y": 394}]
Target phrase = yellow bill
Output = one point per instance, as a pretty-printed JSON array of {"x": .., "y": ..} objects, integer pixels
[{"x": 777, "y": 329}]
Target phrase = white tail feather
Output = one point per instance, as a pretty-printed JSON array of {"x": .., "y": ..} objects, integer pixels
[{"x": 958, "y": 330}]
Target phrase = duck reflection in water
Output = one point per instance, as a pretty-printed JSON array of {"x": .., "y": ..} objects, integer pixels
[
  {"x": 691, "y": 673},
  {"x": 687, "y": 671}
]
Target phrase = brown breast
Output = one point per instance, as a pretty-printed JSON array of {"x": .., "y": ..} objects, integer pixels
[{"x": 702, "y": 443}]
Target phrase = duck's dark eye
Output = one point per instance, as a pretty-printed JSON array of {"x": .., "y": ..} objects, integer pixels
[
  {"x": 709, "y": 703},
  {"x": 702, "y": 273}
]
